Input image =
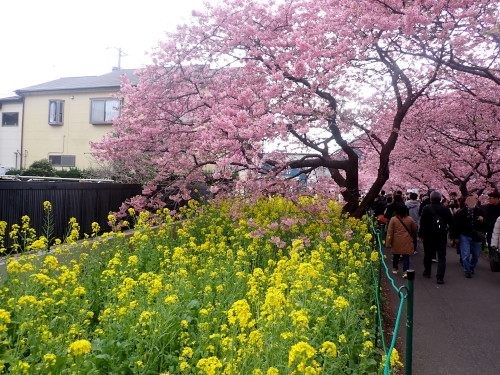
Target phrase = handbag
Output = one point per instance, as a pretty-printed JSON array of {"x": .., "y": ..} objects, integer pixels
[
  {"x": 478, "y": 236},
  {"x": 382, "y": 219},
  {"x": 494, "y": 259}
]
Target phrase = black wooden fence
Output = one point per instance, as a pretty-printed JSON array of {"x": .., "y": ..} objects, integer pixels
[{"x": 87, "y": 202}]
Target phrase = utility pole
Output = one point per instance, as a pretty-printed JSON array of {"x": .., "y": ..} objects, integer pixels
[{"x": 120, "y": 54}]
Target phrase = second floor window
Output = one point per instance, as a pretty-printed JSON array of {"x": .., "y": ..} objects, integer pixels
[
  {"x": 103, "y": 111},
  {"x": 56, "y": 110}
]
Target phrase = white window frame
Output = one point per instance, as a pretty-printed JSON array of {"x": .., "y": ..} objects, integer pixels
[
  {"x": 56, "y": 112},
  {"x": 105, "y": 113},
  {"x": 10, "y": 113}
]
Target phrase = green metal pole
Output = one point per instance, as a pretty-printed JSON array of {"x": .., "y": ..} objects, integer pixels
[
  {"x": 378, "y": 297},
  {"x": 409, "y": 322}
]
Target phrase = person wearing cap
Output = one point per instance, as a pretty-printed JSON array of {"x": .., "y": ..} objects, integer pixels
[
  {"x": 491, "y": 214},
  {"x": 435, "y": 240}
]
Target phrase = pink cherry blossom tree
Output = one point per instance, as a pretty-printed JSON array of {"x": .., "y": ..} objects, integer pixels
[
  {"x": 452, "y": 142},
  {"x": 270, "y": 91}
]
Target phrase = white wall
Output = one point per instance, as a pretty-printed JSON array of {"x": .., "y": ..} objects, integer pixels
[{"x": 10, "y": 138}]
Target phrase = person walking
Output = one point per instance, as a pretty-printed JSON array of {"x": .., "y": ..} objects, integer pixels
[
  {"x": 470, "y": 233},
  {"x": 491, "y": 214},
  {"x": 401, "y": 236},
  {"x": 426, "y": 199},
  {"x": 454, "y": 205},
  {"x": 495, "y": 247},
  {"x": 379, "y": 205},
  {"x": 390, "y": 210},
  {"x": 435, "y": 222},
  {"x": 413, "y": 207},
  {"x": 495, "y": 236}
]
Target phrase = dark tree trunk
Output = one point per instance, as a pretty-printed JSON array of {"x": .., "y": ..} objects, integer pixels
[{"x": 382, "y": 177}]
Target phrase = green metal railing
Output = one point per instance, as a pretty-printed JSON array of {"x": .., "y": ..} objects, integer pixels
[{"x": 405, "y": 292}]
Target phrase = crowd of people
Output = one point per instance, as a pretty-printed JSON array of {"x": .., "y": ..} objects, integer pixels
[{"x": 437, "y": 221}]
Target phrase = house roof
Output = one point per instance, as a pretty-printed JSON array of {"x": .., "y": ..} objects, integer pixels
[
  {"x": 106, "y": 81},
  {"x": 11, "y": 99}
]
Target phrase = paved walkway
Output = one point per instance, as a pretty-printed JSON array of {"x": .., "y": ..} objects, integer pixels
[{"x": 456, "y": 325}]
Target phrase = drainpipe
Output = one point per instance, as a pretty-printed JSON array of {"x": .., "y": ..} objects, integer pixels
[{"x": 21, "y": 160}]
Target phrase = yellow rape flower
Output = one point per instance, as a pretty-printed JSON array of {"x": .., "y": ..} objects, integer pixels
[
  {"x": 394, "y": 361},
  {"x": 240, "y": 311},
  {"x": 329, "y": 348},
  {"x": 341, "y": 303},
  {"x": 368, "y": 346},
  {"x": 21, "y": 366},
  {"x": 171, "y": 299},
  {"x": 49, "y": 359},
  {"x": 132, "y": 260},
  {"x": 187, "y": 352},
  {"x": 255, "y": 339},
  {"x": 312, "y": 371},
  {"x": 301, "y": 351},
  {"x": 95, "y": 228},
  {"x": 14, "y": 267},
  {"x": 79, "y": 291},
  {"x": 209, "y": 365},
  {"x": 4, "y": 316},
  {"x": 79, "y": 347},
  {"x": 184, "y": 366}
]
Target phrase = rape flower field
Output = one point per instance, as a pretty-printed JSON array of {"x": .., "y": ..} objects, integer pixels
[{"x": 272, "y": 287}]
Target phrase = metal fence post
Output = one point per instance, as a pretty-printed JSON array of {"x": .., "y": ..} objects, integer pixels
[
  {"x": 378, "y": 298},
  {"x": 409, "y": 322}
]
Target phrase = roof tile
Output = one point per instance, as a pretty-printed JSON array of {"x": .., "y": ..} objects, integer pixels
[{"x": 109, "y": 80}]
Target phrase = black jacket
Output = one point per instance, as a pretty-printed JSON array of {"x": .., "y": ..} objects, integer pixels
[
  {"x": 491, "y": 213},
  {"x": 467, "y": 220},
  {"x": 426, "y": 231}
]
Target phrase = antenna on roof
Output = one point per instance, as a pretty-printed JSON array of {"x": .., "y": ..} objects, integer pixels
[{"x": 120, "y": 54}]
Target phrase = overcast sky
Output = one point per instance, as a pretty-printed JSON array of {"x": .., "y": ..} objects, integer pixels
[{"x": 43, "y": 40}]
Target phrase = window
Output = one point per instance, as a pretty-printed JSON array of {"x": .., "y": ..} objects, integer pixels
[
  {"x": 62, "y": 160},
  {"x": 103, "y": 111},
  {"x": 10, "y": 118},
  {"x": 56, "y": 110}
]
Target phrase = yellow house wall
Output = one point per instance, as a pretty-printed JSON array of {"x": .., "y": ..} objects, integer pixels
[{"x": 73, "y": 137}]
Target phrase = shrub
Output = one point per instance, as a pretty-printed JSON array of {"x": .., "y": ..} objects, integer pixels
[
  {"x": 14, "y": 172},
  {"x": 71, "y": 173},
  {"x": 40, "y": 168}
]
